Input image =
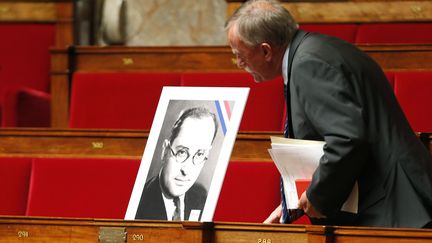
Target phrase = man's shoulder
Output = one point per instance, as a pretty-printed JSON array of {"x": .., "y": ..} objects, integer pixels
[
  {"x": 196, "y": 196},
  {"x": 152, "y": 184},
  {"x": 197, "y": 190},
  {"x": 324, "y": 51},
  {"x": 327, "y": 45}
]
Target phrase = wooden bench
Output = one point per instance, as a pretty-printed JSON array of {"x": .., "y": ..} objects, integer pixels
[
  {"x": 102, "y": 161},
  {"x": 35, "y": 157}
]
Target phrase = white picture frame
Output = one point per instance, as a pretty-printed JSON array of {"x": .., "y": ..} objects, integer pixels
[{"x": 228, "y": 105}]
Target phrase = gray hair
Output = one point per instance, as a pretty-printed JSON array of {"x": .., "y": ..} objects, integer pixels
[{"x": 259, "y": 21}]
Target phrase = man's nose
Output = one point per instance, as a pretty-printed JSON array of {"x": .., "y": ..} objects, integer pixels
[{"x": 187, "y": 165}]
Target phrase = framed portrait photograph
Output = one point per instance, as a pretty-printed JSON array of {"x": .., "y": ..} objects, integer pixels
[{"x": 187, "y": 153}]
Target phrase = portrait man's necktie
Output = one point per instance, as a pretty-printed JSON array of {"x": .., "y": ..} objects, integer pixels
[{"x": 177, "y": 211}]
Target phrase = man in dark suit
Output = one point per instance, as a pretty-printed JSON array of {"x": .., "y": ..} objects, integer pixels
[
  {"x": 338, "y": 94},
  {"x": 174, "y": 194}
]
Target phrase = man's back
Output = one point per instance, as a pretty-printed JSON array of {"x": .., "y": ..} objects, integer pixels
[{"x": 341, "y": 95}]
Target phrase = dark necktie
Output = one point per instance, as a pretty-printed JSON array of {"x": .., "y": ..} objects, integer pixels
[
  {"x": 285, "y": 218},
  {"x": 177, "y": 211}
]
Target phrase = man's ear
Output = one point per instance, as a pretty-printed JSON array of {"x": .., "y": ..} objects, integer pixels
[
  {"x": 267, "y": 51},
  {"x": 165, "y": 144}
]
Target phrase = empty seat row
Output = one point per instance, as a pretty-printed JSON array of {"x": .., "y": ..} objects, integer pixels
[
  {"x": 129, "y": 100},
  {"x": 413, "y": 91},
  {"x": 24, "y": 65},
  {"x": 376, "y": 33},
  {"x": 101, "y": 188}
]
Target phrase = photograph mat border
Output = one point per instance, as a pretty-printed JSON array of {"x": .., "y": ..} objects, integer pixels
[{"x": 236, "y": 94}]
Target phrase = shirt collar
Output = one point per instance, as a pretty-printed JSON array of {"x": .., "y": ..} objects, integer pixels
[
  {"x": 170, "y": 207},
  {"x": 285, "y": 66}
]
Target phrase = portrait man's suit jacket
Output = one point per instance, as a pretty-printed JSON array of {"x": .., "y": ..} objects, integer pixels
[
  {"x": 338, "y": 94},
  {"x": 151, "y": 205}
]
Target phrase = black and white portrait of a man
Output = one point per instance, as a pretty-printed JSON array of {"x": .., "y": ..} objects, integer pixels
[
  {"x": 174, "y": 191},
  {"x": 187, "y": 153}
]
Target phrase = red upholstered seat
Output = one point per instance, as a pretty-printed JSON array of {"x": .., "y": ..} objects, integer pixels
[
  {"x": 413, "y": 91},
  {"x": 25, "y": 58},
  {"x": 250, "y": 192},
  {"x": 26, "y": 107},
  {"x": 264, "y": 109},
  {"x": 95, "y": 188},
  {"x": 343, "y": 31},
  {"x": 409, "y": 33},
  {"x": 117, "y": 100},
  {"x": 14, "y": 185}
]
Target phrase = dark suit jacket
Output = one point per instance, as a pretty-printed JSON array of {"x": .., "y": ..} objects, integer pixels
[
  {"x": 151, "y": 205},
  {"x": 338, "y": 94}
]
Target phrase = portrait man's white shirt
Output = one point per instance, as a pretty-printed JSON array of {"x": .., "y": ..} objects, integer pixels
[{"x": 170, "y": 207}]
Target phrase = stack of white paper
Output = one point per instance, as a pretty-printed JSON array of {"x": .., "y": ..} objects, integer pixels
[{"x": 298, "y": 159}]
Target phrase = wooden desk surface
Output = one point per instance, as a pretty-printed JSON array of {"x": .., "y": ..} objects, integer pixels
[
  {"x": 47, "y": 142},
  {"x": 42, "y": 229},
  {"x": 103, "y": 143}
]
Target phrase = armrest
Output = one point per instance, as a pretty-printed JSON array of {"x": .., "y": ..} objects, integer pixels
[{"x": 26, "y": 107}]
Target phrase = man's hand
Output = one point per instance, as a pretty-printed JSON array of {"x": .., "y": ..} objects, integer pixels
[
  {"x": 275, "y": 216},
  {"x": 307, "y": 207}
]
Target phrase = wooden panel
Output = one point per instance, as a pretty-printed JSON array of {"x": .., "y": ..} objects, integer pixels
[
  {"x": 168, "y": 231},
  {"x": 380, "y": 235},
  {"x": 355, "y": 11},
  {"x": 46, "y": 142},
  {"x": 20, "y": 11},
  {"x": 35, "y": 142},
  {"x": 38, "y": 229},
  {"x": 214, "y": 59},
  {"x": 274, "y": 233},
  {"x": 155, "y": 59},
  {"x": 401, "y": 57},
  {"x": 58, "y": 12},
  {"x": 60, "y": 89},
  {"x": 60, "y": 92},
  {"x": 65, "y": 23},
  {"x": 18, "y": 229}
]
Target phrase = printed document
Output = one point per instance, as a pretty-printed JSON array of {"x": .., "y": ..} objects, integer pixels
[{"x": 298, "y": 159}]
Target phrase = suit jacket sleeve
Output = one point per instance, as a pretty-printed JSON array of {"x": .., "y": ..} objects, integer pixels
[{"x": 333, "y": 107}]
